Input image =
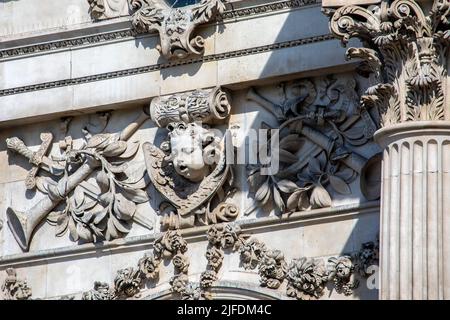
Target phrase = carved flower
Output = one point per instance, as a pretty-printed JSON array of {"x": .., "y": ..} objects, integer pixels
[
  {"x": 251, "y": 253},
  {"x": 178, "y": 283},
  {"x": 169, "y": 244},
  {"x": 225, "y": 236},
  {"x": 214, "y": 257},
  {"x": 15, "y": 289},
  {"x": 127, "y": 282},
  {"x": 181, "y": 262},
  {"x": 272, "y": 269},
  {"x": 306, "y": 278},
  {"x": 149, "y": 266},
  {"x": 101, "y": 291},
  {"x": 207, "y": 278}
]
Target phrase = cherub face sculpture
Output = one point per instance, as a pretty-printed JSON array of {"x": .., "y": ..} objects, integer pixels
[{"x": 187, "y": 144}]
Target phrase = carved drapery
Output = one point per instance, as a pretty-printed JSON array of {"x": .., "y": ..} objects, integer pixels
[{"x": 406, "y": 49}]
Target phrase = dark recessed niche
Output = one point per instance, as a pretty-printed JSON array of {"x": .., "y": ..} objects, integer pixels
[{"x": 181, "y": 3}]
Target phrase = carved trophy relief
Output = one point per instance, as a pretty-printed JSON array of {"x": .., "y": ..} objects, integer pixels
[
  {"x": 406, "y": 51},
  {"x": 321, "y": 130},
  {"x": 93, "y": 189},
  {"x": 175, "y": 26},
  {"x": 89, "y": 211}
]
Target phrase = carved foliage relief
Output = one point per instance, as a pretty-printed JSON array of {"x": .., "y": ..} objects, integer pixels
[
  {"x": 321, "y": 130},
  {"x": 406, "y": 50}
]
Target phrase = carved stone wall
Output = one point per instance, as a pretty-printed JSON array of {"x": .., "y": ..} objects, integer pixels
[{"x": 129, "y": 176}]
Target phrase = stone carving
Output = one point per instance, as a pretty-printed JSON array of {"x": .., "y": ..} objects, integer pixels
[
  {"x": 406, "y": 50},
  {"x": 272, "y": 269},
  {"x": 367, "y": 256},
  {"x": 128, "y": 282},
  {"x": 15, "y": 289},
  {"x": 252, "y": 252},
  {"x": 321, "y": 125},
  {"x": 101, "y": 291},
  {"x": 341, "y": 272},
  {"x": 306, "y": 278},
  {"x": 106, "y": 9},
  {"x": 175, "y": 25},
  {"x": 189, "y": 169},
  {"x": 92, "y": 212}
]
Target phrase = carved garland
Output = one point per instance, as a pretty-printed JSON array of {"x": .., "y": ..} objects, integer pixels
[
  {"x": 406, "y": 51},
  {"x": 306, "y": 278}
]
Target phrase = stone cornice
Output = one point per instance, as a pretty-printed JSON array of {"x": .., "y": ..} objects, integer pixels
[
  {"x": 193, "y": 234},
  {"x": 124, "y": 34},
  {"x": 161, "y": 66}
]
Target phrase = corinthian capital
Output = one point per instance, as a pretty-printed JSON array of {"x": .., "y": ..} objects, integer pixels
[{"x": 406, "y": 46}]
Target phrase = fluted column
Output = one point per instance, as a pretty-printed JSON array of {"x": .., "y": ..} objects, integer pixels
[
  {"x": 406, "y": 51},
  {"x": 415, "y": 215}
]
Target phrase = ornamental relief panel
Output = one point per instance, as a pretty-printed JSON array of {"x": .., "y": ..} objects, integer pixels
[
  {"x": 176, "y": 165},
  {"x": 175, "y": 25}
]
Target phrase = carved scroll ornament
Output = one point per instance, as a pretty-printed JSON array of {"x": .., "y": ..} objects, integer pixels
[{"x": 406, "y": 51}]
